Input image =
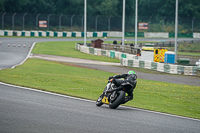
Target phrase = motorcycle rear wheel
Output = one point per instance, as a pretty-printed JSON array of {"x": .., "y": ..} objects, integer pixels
[
  {"x": 99, "y": 101},
  {"x": 118, "y": 100}
]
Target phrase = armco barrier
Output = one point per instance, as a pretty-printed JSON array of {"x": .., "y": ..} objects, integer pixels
[{"x": 127, "y": 60}]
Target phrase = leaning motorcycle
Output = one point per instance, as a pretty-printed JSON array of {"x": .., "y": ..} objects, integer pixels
[{"x": 111, "y": 96}]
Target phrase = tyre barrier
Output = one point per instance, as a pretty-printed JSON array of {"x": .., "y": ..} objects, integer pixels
[
  {"x": 130, "y": 60},
  {"x": 105, "y": 34},
  {"x": 161, "y": 67}
]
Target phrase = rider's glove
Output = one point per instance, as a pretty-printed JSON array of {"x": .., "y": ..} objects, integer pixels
[
  {"x": 110, "y": 77},
  {"x": 109, "y": 91}
]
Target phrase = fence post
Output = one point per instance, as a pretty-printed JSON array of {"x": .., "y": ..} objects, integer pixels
[
  {"x": 23, "y": 19},
  {"x": 109, "y": 23},
  {"x": 96, "y": 22},
  {"x": 37, "y": 21},
  {"x": 72, "y": 21},
  {"x": 13, "y": 20},
  {"x": 164, "y": 23},
  {"x": 48, "y": 20},
  {"x": 3, "y": 20},
  {"x": 193, "y": 24},
  {"x": 82, "y": 23},
  {"x": 149, "y": 23},
  {"x": 60, "y": 21}
]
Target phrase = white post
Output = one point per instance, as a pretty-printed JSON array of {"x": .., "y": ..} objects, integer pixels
[
  {"x": 136, "y": 26},
  {"x": 176, "y": 30},
  {"x": 123, "y": 24},
  {"x": 85, "y": 14}
]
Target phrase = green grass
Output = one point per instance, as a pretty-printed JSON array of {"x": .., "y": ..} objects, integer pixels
[
  {"x": 86, "y": 83},
  {"x": 189, "y": 53},
  {"x": 67, "y": 49}
]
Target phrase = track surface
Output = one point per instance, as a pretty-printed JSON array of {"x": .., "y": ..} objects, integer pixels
[
  {"x": 26, "y": 110},
  {"x": 29, "y": 111}
]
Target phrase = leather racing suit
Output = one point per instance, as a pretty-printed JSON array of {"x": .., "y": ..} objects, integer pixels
[{"x": 128, "y": 84}]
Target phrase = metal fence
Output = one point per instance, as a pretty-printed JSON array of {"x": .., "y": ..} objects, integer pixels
[{"x": 62, "y": 22}]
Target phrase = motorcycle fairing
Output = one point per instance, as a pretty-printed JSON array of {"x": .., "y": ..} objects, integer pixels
[{"x": 105, "y": 100}]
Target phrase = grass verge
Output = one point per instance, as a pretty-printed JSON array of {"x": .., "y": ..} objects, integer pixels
[
  {"x": 86, "y": 83},
  {"x": 67, "y": 49}
]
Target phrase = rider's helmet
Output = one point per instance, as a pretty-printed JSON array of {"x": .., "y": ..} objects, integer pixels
[{"x": 131, "y": 72}]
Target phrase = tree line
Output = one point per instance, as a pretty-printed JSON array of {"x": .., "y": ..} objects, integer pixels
[{"x": 156, "y": 8}]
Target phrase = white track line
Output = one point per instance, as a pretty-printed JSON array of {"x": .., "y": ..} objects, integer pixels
[{"x": 26, "y": 56}]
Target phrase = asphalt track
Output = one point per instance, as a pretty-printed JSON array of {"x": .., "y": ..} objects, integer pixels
[{"x": 28, "y": 110}]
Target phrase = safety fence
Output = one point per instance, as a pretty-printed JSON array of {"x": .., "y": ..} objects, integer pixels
[
  {"x": 130, "y": 60},
  {"x": 75, "y": 22},
  {"x": 94, "y": 34}
]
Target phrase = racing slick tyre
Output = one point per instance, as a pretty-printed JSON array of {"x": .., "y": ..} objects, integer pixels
[
  {"x": 118, "y": 100},
  {"x": 99, "y": 101}
]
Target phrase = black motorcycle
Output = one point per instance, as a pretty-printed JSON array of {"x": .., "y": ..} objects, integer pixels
[{"x": 111, "y": 96}]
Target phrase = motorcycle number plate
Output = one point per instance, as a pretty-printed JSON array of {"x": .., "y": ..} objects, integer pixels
[{"x": 105, "y": 100}]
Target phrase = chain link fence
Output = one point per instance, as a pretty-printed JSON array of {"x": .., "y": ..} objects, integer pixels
[{"x": 62, "y": 22}]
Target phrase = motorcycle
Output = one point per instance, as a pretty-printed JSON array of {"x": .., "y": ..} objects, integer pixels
[{"x": 111, "y": 96}]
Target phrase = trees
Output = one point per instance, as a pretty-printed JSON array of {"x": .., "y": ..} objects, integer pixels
[{"x": 187, "y": 8}]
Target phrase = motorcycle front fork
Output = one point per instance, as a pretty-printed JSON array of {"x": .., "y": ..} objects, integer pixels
[{"x": 113, "y": 95}]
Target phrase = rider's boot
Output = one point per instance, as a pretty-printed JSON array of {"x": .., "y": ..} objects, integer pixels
[{"x": 127, "y": 98}]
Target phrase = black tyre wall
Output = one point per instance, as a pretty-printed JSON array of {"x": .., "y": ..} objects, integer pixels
[{"x": 118, "y": 101}]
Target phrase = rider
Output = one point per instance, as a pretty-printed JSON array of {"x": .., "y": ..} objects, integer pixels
[{"x": 128, "y": 84}]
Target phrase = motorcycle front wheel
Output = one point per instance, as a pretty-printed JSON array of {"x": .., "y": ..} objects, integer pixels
[
  {"x": 99, "y": 101},
  {"x": 118, "y": 100}
]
